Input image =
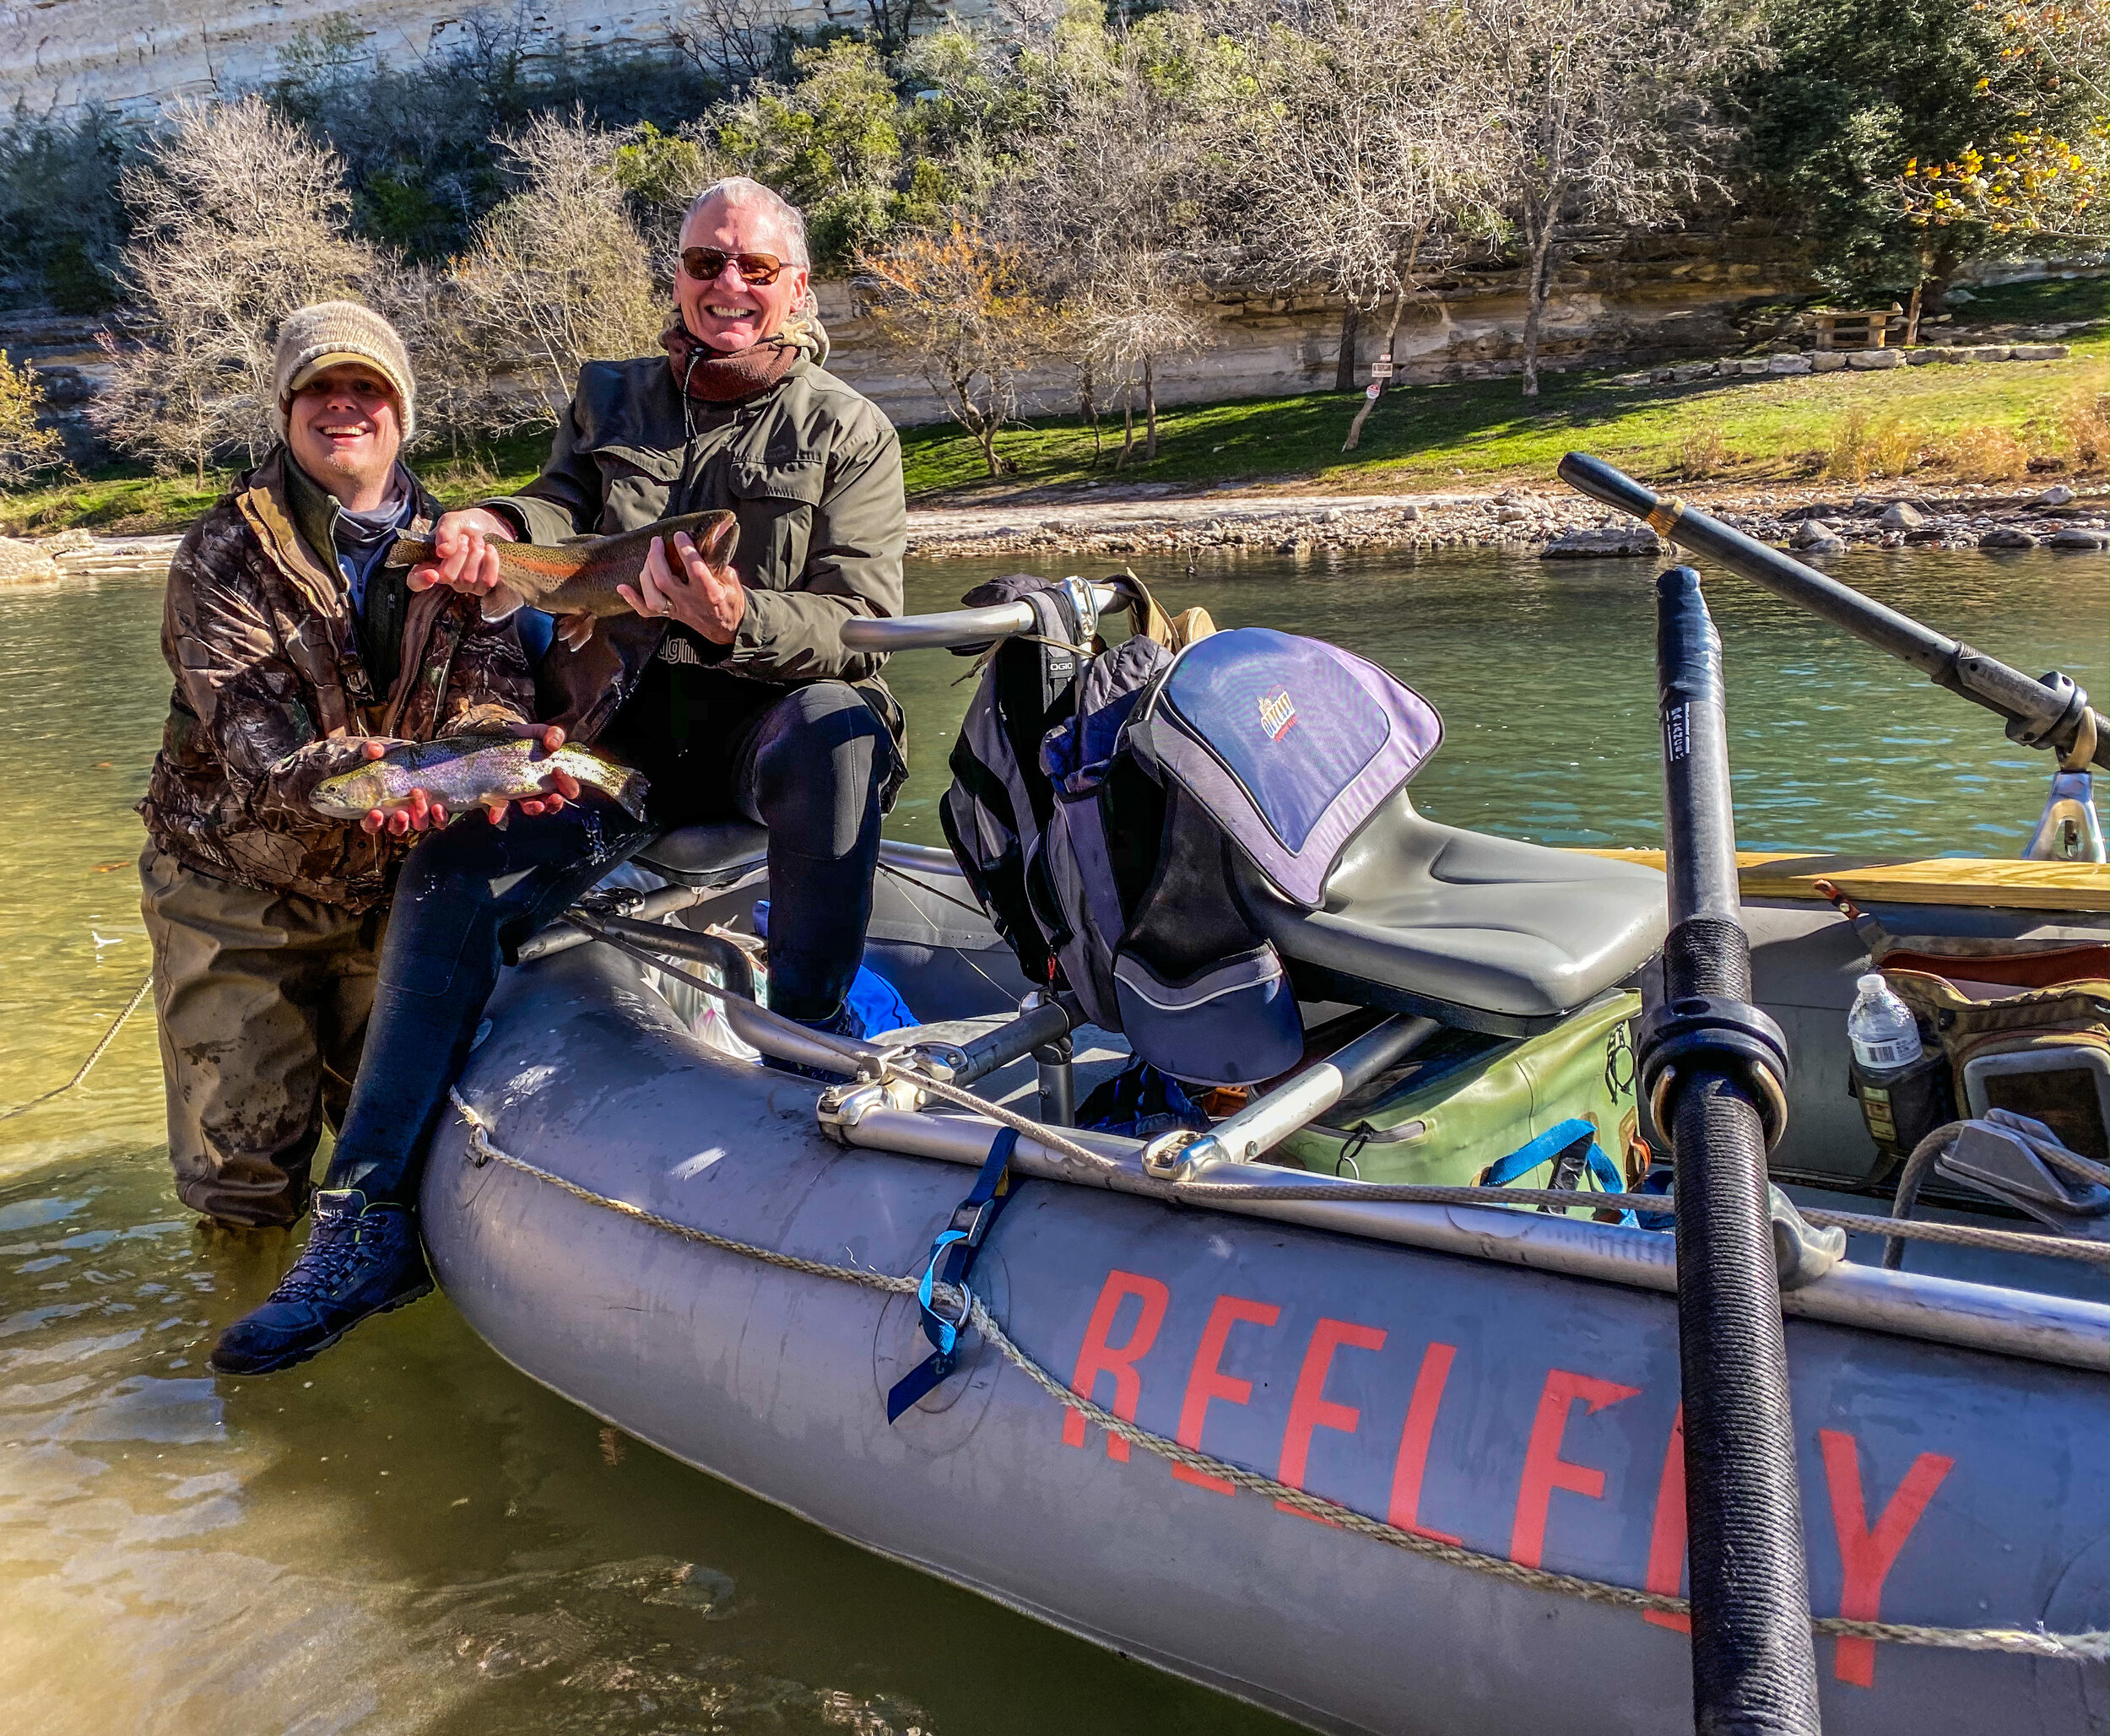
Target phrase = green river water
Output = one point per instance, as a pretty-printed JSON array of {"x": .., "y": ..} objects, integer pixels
[{"x": 407, "y": 1534}]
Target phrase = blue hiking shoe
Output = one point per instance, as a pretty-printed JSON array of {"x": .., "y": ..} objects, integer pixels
[{"x": 361, "y": 1260}]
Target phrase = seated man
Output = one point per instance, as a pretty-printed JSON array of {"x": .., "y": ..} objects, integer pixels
[
  {"x": 730, "y": 688},
  {"x": 297, "y": 652}
]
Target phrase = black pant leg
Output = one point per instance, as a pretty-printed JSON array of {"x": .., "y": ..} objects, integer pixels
[
  {"x": 810, "y": 768},
  {"x": 462, "y": 890}
]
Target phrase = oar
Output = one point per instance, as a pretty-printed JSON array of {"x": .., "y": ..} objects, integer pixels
[
  {"x": 2040, "y": 714},
  {"x": 1715, "y": 1068}
]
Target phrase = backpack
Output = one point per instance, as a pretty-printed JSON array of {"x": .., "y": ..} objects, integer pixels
[{"x": 1109, "y": 858}]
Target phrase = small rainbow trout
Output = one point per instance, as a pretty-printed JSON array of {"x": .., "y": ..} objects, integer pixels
[
  {"x": 462, "y": 771},
  {"x": 580, "y": 577}
]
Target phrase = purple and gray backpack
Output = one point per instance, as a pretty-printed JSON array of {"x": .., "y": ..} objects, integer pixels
[{"x": 1159, "y": 764}]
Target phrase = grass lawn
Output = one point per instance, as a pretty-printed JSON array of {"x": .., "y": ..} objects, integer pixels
[
  {"x": 1486, "y": 431},
  {"x": 1419, "y": 437},
  {"x": 129, "y": 499}
]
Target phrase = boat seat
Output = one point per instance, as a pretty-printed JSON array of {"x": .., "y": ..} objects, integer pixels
[
  {"x": 713, "y": 855},
  {"x": 1483, "y": 933}
]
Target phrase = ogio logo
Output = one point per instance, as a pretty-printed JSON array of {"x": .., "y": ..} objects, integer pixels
[{"x": 1277, "y": 713}]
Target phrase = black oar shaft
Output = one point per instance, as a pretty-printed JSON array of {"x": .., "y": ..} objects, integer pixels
[
  {"x": 2046, "y": 715},
  {"x": 1753, "y": 1668}
]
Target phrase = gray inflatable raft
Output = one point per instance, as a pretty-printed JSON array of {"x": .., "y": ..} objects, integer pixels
[{"x": 1503, "y": 1380}]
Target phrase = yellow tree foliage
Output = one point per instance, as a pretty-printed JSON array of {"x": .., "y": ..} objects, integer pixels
[
  {"x": 24, "y": 445},
  {"x": 957, "y": 306}
]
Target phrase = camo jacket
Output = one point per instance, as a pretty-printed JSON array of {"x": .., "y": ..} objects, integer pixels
[{"x": 271, "y": 696}]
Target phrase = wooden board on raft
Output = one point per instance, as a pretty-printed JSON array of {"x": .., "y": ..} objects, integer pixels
[{"x": 1978, "y": 882}]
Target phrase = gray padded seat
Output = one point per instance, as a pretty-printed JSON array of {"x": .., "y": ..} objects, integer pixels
[
  {"x": 714, "y": 855},
  {"x": 1480, "y": 932}
]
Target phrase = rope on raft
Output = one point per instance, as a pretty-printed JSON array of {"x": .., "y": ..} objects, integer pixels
[
  {"x": 2081, "y": 1648},
  {"x": 95, "y": 1054}
]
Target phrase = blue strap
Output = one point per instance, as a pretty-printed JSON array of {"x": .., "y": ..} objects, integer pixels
[
  {"x": 952, "y": 1257},
  {"x": 1544, "y": 1149},
  {"x": 1550, "y": 1145}
]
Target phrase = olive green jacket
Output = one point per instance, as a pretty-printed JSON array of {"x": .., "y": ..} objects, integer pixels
[{"x": 811, "y": 468}]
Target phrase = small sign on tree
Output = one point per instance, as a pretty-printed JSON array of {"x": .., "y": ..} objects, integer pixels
[{"x": 1381, "y": 368}]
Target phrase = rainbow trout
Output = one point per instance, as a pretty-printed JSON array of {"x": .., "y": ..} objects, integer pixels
[
  {"x": 462, "y": 771},
  {"x": 580, "y": 577}
]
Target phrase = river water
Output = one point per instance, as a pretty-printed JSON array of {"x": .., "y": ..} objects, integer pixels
[{"x": 407, "y": 1535}]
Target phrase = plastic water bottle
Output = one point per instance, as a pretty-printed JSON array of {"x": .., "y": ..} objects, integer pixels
[{"x": 1885, "y": 1036}]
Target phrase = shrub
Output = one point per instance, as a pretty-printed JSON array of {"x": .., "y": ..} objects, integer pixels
[
  {"x": 2084, "y": 422},
  {"x": 1983, "y": 454},
  {"x": 1704, "y": 454},
  {"x": 25, "y": 445},
  {"x": 1861, "y": 447}
]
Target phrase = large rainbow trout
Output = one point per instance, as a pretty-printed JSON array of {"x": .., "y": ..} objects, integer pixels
[
  {"x": 462, "y": 771},
  {"x": 580, "y": 577}
]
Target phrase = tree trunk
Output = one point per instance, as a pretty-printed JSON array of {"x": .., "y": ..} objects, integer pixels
[
  {"x": 1088, "y": 408},
  {"x": 1911, "y": 310},
  {"x": 983, "y": 427},
  {"x": 1128, "y": 428},
  {"x": 1392, "y": 335},
  {"x": 1540, "y": 288},
  {"x": 1345, "y": 363},
  {"x": 1151, "y": 407}
]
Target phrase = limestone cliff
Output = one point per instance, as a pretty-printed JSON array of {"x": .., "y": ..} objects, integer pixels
[{"x": 137, "y": 55}]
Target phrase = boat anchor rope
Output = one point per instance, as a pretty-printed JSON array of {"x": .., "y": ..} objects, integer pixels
[{"x": 2089, "y": 1647}]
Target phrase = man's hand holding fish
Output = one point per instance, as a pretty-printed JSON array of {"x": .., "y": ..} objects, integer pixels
[
  {"x": 420, "y": 809},
  {"x": 708, "y": 599}
]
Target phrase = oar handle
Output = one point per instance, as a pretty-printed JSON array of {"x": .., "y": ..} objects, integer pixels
[
  {"x": 953, "y": 627},
  {"x": 2041, "y": 714}
]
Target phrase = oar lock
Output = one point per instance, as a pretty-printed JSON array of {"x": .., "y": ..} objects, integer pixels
[
  {"x": 1696, "y": 1031},
  {"x": 2071, "y": 721}
]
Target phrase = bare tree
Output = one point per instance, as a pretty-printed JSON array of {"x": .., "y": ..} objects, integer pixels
[
  {"x": 1602, "y": 115},
  {"x": 1112, "y": 229},
  {"x": 734, "y": 42},
  {"x": 958, "y": 307},
  {"x": 557, "y": 274},
  {"x": 239, "y": 218},
  {"x": 1364, "y": 158},
  {"x": 1126, "y": 326}
]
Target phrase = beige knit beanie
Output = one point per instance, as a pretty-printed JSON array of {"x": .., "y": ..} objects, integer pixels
[{"x": 331, "y": 334}]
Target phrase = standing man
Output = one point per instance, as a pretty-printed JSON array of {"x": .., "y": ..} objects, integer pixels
[
  {"x": 297, "y": 652},
  {"x": 730, "y": 688}
]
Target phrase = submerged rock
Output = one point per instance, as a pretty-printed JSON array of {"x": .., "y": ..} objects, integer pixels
[
  {"x": 1635, "y": 542},
  {"x": 2007, "y": 536},
  {"x": 2075, "y": 538}
]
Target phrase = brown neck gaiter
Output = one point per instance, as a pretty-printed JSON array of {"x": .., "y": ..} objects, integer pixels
[{"x": 714, "y": 377}]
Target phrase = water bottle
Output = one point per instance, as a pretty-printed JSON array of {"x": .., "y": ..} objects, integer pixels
[
  {"x": 1885, "y": 1036},
  {"x": 1906, "y": 1091}
]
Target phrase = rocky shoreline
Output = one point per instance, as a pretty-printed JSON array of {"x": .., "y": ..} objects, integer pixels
[
  {"x": 1554, "y": 524},
  {"x": 1150, "y": 520}
]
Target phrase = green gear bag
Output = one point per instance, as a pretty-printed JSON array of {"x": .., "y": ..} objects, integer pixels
[{"x": 1463, "y": 1101}]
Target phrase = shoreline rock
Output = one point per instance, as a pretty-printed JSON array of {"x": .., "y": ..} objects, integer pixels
[{"x": 1551, "y": 522}]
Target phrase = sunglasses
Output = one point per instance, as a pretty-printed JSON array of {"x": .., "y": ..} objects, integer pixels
[{"x": 705, "y": 264}]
